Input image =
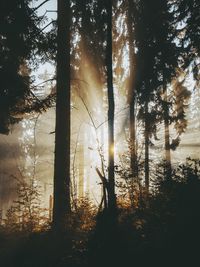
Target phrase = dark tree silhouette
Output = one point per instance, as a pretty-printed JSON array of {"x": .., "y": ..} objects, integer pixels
[
  {"x": 111, "y": 111},
  {"x": 160, "y": 60},
  {"x": 132, "y": 89},
  {"x": 62, "y": 205},
  {"x": 145, "y": 86},
  {"x": 20, "y": 41}
]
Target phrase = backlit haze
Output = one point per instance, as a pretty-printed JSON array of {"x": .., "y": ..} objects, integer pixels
[{"x": 28, "y": 152}]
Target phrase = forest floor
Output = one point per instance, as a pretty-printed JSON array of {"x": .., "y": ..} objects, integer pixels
[
  {"x": 103, "y": 246},
  {"x": 163, "y": 232}
]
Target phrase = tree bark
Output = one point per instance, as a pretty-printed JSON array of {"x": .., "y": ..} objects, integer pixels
[
  {"x": 167, "y": 134},
  {"x": 61, "y": 201},
  {"x": 111, "y": 110},
  {"x": 131, "y": 96},
  {"x": 146, "y": 135},
  {"x": 81, "y": 169}
]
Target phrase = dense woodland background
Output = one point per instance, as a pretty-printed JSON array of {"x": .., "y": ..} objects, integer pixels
[{"x": 99, "y": 133}]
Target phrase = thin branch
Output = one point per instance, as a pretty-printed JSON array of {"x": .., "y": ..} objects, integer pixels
[
  {"x": 35, "y": 144},
  {"x": 47, "y": 26},
  {"x": 117, "y": 113},
  {"x": 39, "y": 84},
  {"x": 51, "y": 11},
  {"x": 86, "y": 107},
  {"x": 44, "y": 2},
  {"x": 103, "y": 179},
  {"x": 105, "y": 187},
  {"x": 74, "y": 196}
]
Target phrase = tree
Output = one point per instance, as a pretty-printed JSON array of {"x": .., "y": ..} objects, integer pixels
[
  {"x": 62, "y": 205},
  {"x": 159, "y": 60},
  {"x": 20, "y": 42},
  {"x": 95, "y": 28},
  {"x": 170, "y": 57},
  {"x": 132, "y": 89},
  {"x": 187, "y": 20},
  {"x": 111, "y": 110},
  {"x": 145, "y": 74}
]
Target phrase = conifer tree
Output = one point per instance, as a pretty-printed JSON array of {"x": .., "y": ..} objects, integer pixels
[{"x": 20, "y": 42}]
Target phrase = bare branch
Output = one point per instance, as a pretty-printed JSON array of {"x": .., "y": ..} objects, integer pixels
[
  {"x": 44, "y": 2},
  {"x": 88, "y": 111},
  {"x": 103, "y": 179},
  {"x": 51, "y": 11},
  {"x": 47, "y": 26},
  {"x": 39, "y": 84}
]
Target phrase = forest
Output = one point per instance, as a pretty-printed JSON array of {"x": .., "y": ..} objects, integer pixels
[{"x": 99, "y": 133}]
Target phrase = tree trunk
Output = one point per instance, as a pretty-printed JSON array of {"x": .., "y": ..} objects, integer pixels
[
  {"x": 111, "y": 110},
  {"x": 81, "y": 169},
  {"x": 131, "y": 96},
  {"x": 146, "y": 160},
  {"x": 61, "y": 201},
  {"x": 167, "y": 142}
]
